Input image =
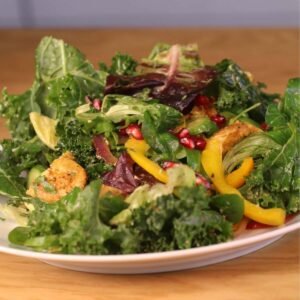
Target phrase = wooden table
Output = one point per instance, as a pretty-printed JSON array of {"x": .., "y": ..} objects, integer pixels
[{"x": 271, "y": 273}]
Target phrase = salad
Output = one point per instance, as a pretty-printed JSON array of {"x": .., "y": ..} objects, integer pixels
[{"x": 133, "y": 157}]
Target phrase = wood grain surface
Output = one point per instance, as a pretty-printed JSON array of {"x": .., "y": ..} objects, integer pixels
[{"x": 272, "y": 273}]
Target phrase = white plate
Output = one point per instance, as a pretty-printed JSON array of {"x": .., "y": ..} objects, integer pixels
[{"x": 248, "y": 242}]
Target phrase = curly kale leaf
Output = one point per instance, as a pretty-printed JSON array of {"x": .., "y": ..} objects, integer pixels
[
  {"x": 276, "y": 180},
  {"x": 74, "y": 138},
  {"x": 72, "y": 226},
  {"x": 256, "y": 190},
  {"x": 122, "y": 64},
  {"x": 179, "y": 221},
  {"x": 16, "y": 109},
  {"x": 15, "y": 158},
  {"x": 236, "y": 92},
  {"x": 282, "y": 164}
]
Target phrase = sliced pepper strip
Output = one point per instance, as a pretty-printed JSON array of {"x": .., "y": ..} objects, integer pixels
[
  {"x": 237, "y": 178},
  {"x": 211, "y": 159},
  {"x": 137, "y": 145},
  {"x": 137, "y": 149}
]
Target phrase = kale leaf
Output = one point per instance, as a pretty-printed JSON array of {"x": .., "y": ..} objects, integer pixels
[
  {"x": 284, "y": 120},
  {"x": 236, "y": 92},
  {"x": 16, "y": 109},
  {"x": 180, "y": 221},
  {"x": 276, "y": 180},
  {"x": 63, "y": 78},
  {"x": 110, "y": 205},
  {"x": 70, "y": 225},
  {"x": 74, "y": 138},
  {"x": 17, "y": 158},
  {"x": 122, "y": 64}
]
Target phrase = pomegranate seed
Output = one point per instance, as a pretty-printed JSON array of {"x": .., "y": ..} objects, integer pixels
[
  {"x": 203, "y": 101},
  {"x": 187, "y": 142},
  {"x": 219, "y": 120},
  {"x": 183, "y": 133},
  {"x": 134, "y": 130},
  {"x": 169, "y": 164},
  {"x": 264, "y": 126},
  {"x": 203, "y": 181},
  {"x": 200, "y": 142},
  {"x": 97, "y": 103},
  {"x": 122, "y": 131}
]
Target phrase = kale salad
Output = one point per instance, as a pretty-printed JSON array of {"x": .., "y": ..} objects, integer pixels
[{"x": 160, "y": 154}]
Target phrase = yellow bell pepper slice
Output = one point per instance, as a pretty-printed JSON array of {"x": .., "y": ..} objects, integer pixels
[
  {"x": 237, "y": 178},
  {"x": 211, "y": 159},
  {"x": 137, "y": 145},
  {"x": 148, "y": 165},
  {"x": 137, "y": 149}
]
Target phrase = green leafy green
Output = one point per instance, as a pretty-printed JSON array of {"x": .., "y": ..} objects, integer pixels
[
  {"x": 10, "y": 187},
  {"x": 281, "y": 164},
  {"x": 74, "y": 138},
  {"x": 122, "y": 64},
  {"x": 236, "y": 92},
  {"x": 63, "y": 78},
  {"x": 258, "y": 192},
  {"x": 131, "y": 109},
  {"x": 56, "y": 59},
  {"x": 275, "y": 182},
  {"x": 178, "y": 176},
  {"x": 110, "y": 205},
  {"x": 15, "y": 158},
  {"x": 202, "y": 124},
  {"x": 70, "y": 225},
  {"x": 230, "y": 205},
  {"x": 164, "y": 143},
  {"x": 188, "y": 56},
  {"x": 179, "y": 221},
  {"x": 16, "y": 109},
  {"x": 193, "y": 160},
  {"x": 256, "y": 145}
]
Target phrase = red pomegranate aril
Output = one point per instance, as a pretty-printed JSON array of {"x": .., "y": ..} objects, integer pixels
[
  {"x": 135, "y": 131},
  {"x": 97, "y": 103},
  {"x": 122, "y": 131},
  {"x": 200, "y": 180},
  {"x": 183, "y": 133},
  {"x": 203, "y": 101},
  {"x": 169, "y": 164},
  {"x": 219, "y": 120},
  {"x": 187, "y": 142},
  {"x": 264, "y": 126},
  {"x": 200, "y": 142}
]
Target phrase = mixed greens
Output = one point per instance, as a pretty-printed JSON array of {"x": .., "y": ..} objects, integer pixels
[{"x": 162, "y": 154}]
